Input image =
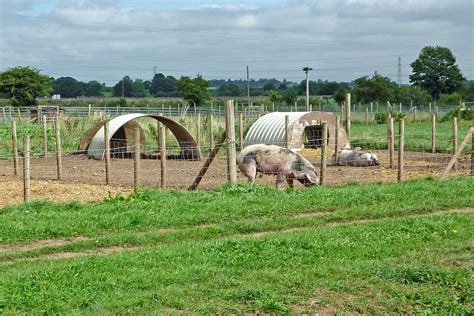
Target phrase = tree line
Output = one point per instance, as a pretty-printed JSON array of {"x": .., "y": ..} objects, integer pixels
[{"x": 435, "y": 76}]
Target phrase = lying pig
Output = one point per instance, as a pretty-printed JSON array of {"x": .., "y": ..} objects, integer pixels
[
  {"x": 355, "y": 157},
  {"x": 274, "y": 160}
]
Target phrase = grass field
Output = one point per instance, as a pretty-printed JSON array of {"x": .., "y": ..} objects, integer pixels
[{"x": 393, "y": 248}]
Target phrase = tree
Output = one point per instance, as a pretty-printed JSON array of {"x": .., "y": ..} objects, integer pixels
[
  {"x": 162, "y": 86},
  {"x": 274, "y": 96},
  {"x": 377, "y": 88},
  {"x": 127, "y": 87},
  {"x": 23, "y": 85},
  {"x": 68, "y": 87},
  {"x": 229, "y": 89},
  {"x": 194, "y": 90},
  {"x": 269, "y": 86},
  {"x": 408, "y": 94},
  {"x": 435, "y": 70},
  {"x": 138, "y": 88},
  {"x": 290, "y": 96},
  {"x": 93, "y": 89}
]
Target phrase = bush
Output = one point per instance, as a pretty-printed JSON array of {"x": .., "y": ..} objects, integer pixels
[
  {"x": 466, "y": 114},
  {"x": 381, "y": 117}
]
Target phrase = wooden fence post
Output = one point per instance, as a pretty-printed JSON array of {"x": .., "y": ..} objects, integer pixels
[
  {"x": 19, "y": 114},
  {"x": 324, "y": 144},
  {"x": 336, "y": 139},
  {"x": 414, "y": 114},
  {"x": 26, "y": 168},
  {"x": 367, "y": 116},
  {"x": 472, "y": 154},
  {"x": 136, "y": 159},
  {"x": 231, "y": 152},
  {"x": 45, "y": 136},
  {"x": 287, "y": 131},
  {"x": 469, "y": 134},
  {"x": 89, "y": 110},
  {"x": 15, "y": 148},
  {"x": 390, "y": 141},
  {"x": 107, "y": 153},
  {"x": 4, "y": 114},
  {"x": 241, "y": 130},
  {"x": 433, "y": 133},
  {"x": 455, "y": 139},
  {"x": 348, "y": 116},
  {"x": 163, "y": 155},
  {"x": 401, "y": 144},
  {"x": 198, "y": 130},
  {"x": 59, "y": 158},
  {"x": 371, "y": 107},
  {"x": 211, "y": 131},
  {"x": 429, "y": 107}
]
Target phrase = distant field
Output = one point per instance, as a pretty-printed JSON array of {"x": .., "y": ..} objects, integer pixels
[{"x": 376, "y": 249}]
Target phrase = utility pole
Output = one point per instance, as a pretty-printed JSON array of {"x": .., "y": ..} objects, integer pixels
[
  {"x": 399, "y": 71},
  {"x": 154, "y": 70},
  {"x": 248, "y": 87},
  {"x": 307, "y": 70},
  {"x": 123, "y": 94}
]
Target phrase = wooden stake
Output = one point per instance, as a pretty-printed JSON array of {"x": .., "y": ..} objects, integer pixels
[
  {"x": 241, "y": 130},
  {"x": 390, "y": 141},
  {"x": 136, "y": 159},
  {"x": 89, "y": 111},
  {"x": 163, "y": 155},
  {"x": 336, "y": 139},
  {"x": 401, "y": 144},
  {"x": 19, "y": 114},
  {"x": 433, "y": 133},
  {"x": 207, "y": 163},
  {"x": 15, "y": 149},
  {"x": 287, "y": 131},
  {"x": 231, "y": 152},
  {"x": 211, "y": 131},
  {"x": 429, "y": 107},
  {"x": 414, "y": 114},
  {"x": 469, "y": 134},
  {"x": 348, "y": 116},
  {"x": 324, "y": 144},
  {"x": 107, "y": 153},
  {"x": 59, "y": 158},
  {"x": 45, "y": 136},
  {"x": 367, "y": 116},
  {"x": 455, "y": 140},
  {"x": 26, "y": 168},
  {"x": 198, "y": 130},
  {"x": 4, "y": 114}
]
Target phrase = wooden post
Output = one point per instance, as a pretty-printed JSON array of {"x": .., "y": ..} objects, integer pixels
[
  {"x": 136, "y": 159},
  {"x": 348, "y": 116},
  {"x": 273, "y": 106},
  {"x": 324, "y": 144},
  {"x": 231, "y": 152},
  {"x": 343, "y": 113},
  {"x": 455, "y": 139},
  {"x": 296, "y": 106},
  {"x": 26, "y": 168},
  {"x": 429, "y": 107},
  {"x": 59, "y": 158},
  {"x": 390, "y": 141},
  {"x": 400, "y": 110},
  {"x": 198, "y": 130},
  {"x": 45, "y": 136},
  {"x": 401, "y": 145},
  {"x": 107, "y": 153},
  {"x": 163, "y": 155},
  {"x": 336, "y": 139},
  {"x": 287, "y": 131},
  {"x": 211, "y": 131},
  {"x": 414, "y": 114},
  {"x": 241, "y": 130},
  {"x": 15, "y": 149},
  {"x": 89, "y": 111},
  {"x": 433, "y": 133},
  {"x": 207, "y": 163},
  {"x": 4, "y": 114},
  {"x": 469, "y": 134},
  {"x": 19, "y": 114},
  {"x": 366, "y": 115},
  {"x": 371, "y": 107}
]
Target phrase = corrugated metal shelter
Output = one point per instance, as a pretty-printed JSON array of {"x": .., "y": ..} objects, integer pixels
[
  {"x": 121, "y": 131},
  {"x": 305, "y": 130}
]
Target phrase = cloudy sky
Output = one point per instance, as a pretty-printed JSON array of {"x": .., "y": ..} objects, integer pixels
[{"x": 340, "y": 39}]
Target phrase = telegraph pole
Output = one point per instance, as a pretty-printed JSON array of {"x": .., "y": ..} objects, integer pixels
[
  {"x": 248, "y": 87},
  {"x": 307, "y": 70},
  {"x": 123, "y": 94},
  {"x": 399, "y": 71}
]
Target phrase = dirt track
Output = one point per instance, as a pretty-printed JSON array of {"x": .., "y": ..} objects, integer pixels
[{"x": 84, "y": 179}]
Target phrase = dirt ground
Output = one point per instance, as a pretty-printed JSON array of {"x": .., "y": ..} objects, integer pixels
[{"x": 84, "y": 178}]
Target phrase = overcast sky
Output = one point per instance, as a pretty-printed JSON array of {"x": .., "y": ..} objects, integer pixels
[{"x": 340, "y": 39}]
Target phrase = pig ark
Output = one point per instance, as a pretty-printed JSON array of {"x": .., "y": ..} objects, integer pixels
[{"x": 274, "y": 160}]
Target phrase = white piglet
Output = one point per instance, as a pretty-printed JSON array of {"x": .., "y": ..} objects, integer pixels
[{"x": 355, "y": 158}]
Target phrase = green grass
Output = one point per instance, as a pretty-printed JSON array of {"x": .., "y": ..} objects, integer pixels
[
  {"x": 417, "y": 135},
  {"x": 368, "y": 248}
]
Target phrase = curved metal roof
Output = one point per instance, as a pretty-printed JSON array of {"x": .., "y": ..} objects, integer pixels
[
  {"x": 96, "y": 148},
  {"x": 270, "y": 129}
]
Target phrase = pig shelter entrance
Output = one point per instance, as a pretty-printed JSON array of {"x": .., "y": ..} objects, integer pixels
[{"x": 314, "y": 136}]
